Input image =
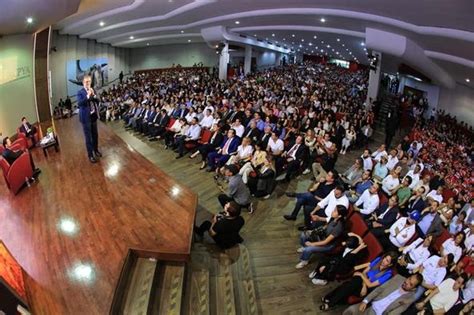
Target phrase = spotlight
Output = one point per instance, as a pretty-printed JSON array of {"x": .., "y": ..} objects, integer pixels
[
  {"x": 323, "y": 20},
  {"x": 101, "y": 23},
  {"x": 29, "y": 20},
  {"x": 237, "y": 22},
  {"x": 131, "y": 37}
]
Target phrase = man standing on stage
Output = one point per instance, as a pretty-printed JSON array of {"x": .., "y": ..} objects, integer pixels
[{"x": 88, "y": 115}]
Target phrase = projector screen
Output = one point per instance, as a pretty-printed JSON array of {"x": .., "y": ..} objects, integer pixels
[{"x": 76, "y": 69}]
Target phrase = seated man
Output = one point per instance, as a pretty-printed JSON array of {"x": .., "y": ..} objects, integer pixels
[
  {"x": 393, "y": 297},
  {"x": 322, "y": 213},
  {"x": 236, "y": 191},
  {"x": 368, "y": 201},
  {"x": 228, "y": 147},
  {"x": 390, "y": 183},
  {"x": 192, "y": 135},
  {"x": 430, "y": 222},
  {"x": 361, "y": 185},
  {"x": 433, "y": 270},
  {"x": 158, "y": 126},
  {"x": 385, "y": 215},
  {"x": 224, "y": 227},
  {"x": 317, "y": 192},
  {"x": 399, "y": 232},
  {"x": 404, "y": 192},
  {"x": 353, "y": 173},
  {"x": 441, "y": 298},
  {"x": 28, "y": 129},
  {"x": 11, "y": 155},
  {"x": 293, "y": 157}
]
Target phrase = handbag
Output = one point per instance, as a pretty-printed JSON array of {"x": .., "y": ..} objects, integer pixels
[{"x": 316, "y": 234}]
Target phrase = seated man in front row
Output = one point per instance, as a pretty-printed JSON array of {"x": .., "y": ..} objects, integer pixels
[
  {"x": 393, "y": 297},
  {"x": 11, "y": 155},
  {"x": 28, "y": 129}
]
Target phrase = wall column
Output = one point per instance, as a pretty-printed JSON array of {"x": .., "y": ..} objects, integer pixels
[
  {"x": 248, "y": 59},
  {"x": 223, "y": 62},
  {"x": 374, "y": 78}
]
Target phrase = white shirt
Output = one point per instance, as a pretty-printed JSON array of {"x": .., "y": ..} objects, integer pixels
[
  {"x": 417, "y": 252},
  {"x": 415, "y": 178},
  {"x": 377, "y": 155},
  {"x": 446, "y": 297},
  {"x": 432, "y": 273},
  {"x": 276, "y": 146},
  {"x": 330, "y": 203},
  {"x": 405, "y": 232},
  {"x": 189, "y": 117},
  {"x": 449, "y": 247},
  {"x": 381, "y": 305},
  {"x": 435, "y": 196},
  {"x": 468, "y": 291},
  {"x": 392, "y": 161},
  {"x": 370, "y": 202},
  {"x": 368, "y": 164},
  {"x": 193, "y": 132},
  {"x": 239, "y": 130},
  {"x": 469, "y": 242},
  {"x": 389, "y": 183},
  {"x": 207, "y": 122},
  {"x": 244, "y": 152}
]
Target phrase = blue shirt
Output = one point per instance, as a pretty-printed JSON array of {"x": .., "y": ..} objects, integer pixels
[
  {"x": 376, "y": 275},
  {"x": 425, "y": 222},
  {"x": 362, "y": 186}
]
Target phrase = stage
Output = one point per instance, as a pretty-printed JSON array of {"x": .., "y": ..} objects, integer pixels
[{"x": 72, "y": 229}]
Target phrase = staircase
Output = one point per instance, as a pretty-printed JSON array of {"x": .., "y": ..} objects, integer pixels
[
  {"x": 212, "y": 283},
  {"x": 387, "y": 103}
]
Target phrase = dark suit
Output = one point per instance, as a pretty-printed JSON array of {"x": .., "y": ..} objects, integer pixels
[
  {"x": 264, "y": 139},
  {"x": 219, "y": 159},
  {"x": 263, "y": 184},
  {"x": 88, "y": 115},
  {"x": 253, "y": 134},
  {"x": 30, "y": 133},
  {"x": 214, "y": 143},
  {"x": 293, "y": 165},
  {"x": 389, "y": 218},
  {"x": 159, "y": 125}
]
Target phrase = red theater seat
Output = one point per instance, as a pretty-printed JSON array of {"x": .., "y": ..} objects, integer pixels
[
  {"x": 16, "y": 173},
  {"x": 205, "y": 136},
  {"x": 357, "y": 225},
  {"x": 440, "y": 240},
  {"x": 29, "y": 142}
]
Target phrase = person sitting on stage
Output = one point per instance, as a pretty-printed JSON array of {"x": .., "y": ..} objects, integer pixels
[
  {"x": 224, "y": 227},
  {"x": 28, "y": 129},
  {"x": 11, "y": 155}
]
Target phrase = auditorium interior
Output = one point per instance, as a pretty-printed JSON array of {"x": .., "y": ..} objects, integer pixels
[{"x": 215, "y": 157}]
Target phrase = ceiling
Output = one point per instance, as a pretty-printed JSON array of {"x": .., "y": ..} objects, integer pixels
[
  {"x": 14, "y": 14},
  {"x": 443, "y": 29}
]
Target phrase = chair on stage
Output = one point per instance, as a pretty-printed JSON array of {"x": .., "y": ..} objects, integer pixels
[
  {"x": 29, "y": 142},
  {"x": 16, "y": 174}
]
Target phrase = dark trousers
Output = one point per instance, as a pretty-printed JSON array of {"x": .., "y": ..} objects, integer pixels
[
  {"x": 181, "y": 144},
  {"x": 205, "y": 149},
  {"x": 304, "y": 199},
  {"x": 223, "y": 199},
  {"x": 32, "y": 135},
  {"x": 307, "y": 217},
  {"x": 91, "y": 136},
  {"x": 383, "y": 238},
  {"x": 292, "y": 168},
  {"x": 169, "y": 138},
  {"x": 342, "y": 292}
]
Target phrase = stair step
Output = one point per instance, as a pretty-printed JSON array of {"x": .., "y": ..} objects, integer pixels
[
  {"x": 244, "y": 286},
  {"x": 138, "y": 293},
  {"x": 198, "y": 298},
  {"x": 224, "y": 289},
  {"x": 169, "y": 292}
]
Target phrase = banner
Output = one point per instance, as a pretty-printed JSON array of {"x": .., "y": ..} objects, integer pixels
[{"x": 97, "y": 68}]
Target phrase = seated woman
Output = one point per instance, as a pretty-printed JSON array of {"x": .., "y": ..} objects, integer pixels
[
  {"x": 213, "y": 144},
  {"x": 329, "y": 267},
  {"x": 258, "y": 158},
  {"x": 322, "y": 239},
  {"x": 414, "y": 255},
  {"x": 375, "y": 273},
  {"x": 349, "y": 138},
  {"x": 454, "y": 245},
  {"x": 224, "y": 227},
  {"x": 262, "y": 185}
]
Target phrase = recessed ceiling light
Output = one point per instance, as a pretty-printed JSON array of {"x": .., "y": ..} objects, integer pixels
[
  {"x": 315, "y": 36},
  {"x": 328, "y": 46},
  {"x": 284, "y": 38},
  {"x": 148, "y": 44},
  {"x": 322, "y": 50},
  {"x": 189, "y": 40},
  {"x": 468, "y": 80},
  {"x": 338, "y": 39},
  {"x": 273, "y": 35},
  {"x": 311, "y": 44},
  {"x": 323, "y": 20},
  {"x": 182, "y": 32},
  {"x": 322, "y": 42},
  {"x": 237, "y": 22},
  {"x": 343, "y": 45},
  {"x": 131, "y": 37},
  {"x": 292, "y": 35},
  {"x": 301, "y": 46},
  {"x": 362, "y": 44},
  {"x": 101, "y": 23},
  {"x": 302, "y": 40},
  {"x": 29, "y": 20}
]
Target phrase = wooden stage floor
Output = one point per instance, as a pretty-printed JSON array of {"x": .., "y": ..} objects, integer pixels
[{"x": 72, "y": 229}]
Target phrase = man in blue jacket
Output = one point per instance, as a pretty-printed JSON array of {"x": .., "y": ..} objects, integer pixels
[{"x": 88, "y": 115}]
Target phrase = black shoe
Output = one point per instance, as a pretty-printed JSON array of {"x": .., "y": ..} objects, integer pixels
[
  {"x": 179, "y": 156},
  {"x": 36, "y": 172},
  {"x": 98, "y": 154},
  {"x": 92, "y": 159},
  {"x": 152, "y": 139},
  {"x": 302, "y": 228},
  {"x": 289, "y": 217},
  {"x": 290, "y": 194}
]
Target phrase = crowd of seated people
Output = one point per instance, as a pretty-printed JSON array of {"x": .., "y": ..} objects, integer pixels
[{"x": 297, "y": 120}]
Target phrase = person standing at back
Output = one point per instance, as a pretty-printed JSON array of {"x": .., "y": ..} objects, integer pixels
[{"x": 88, "y": 115}]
